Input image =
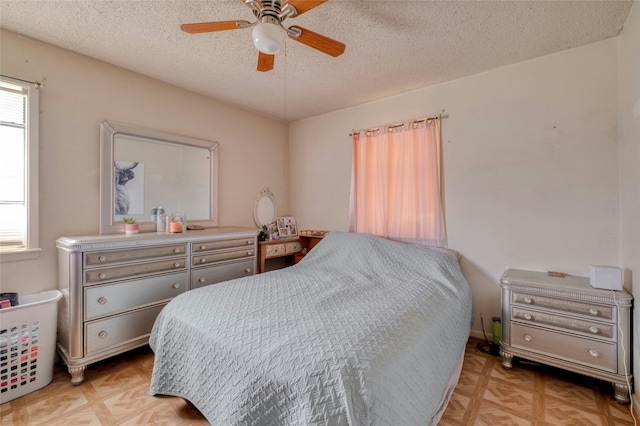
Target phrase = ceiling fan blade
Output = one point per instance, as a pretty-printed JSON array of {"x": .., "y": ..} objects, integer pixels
[
  {"x": 265, "y": 62},
  {"x": 303, "y": 6},
  {"x": 207, "y": 27},
  {"x": 319, "y": 42}
]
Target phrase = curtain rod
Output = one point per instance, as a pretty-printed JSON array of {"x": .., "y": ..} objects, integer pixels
[
  {"x": 35, "y": 83},
  {"x": 414, "y": 121}
]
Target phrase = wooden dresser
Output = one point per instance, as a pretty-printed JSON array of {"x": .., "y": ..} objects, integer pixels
[
  {"x": 114, "y": 286},
  {"x": 308, "y": 240},
  {"x": 283, "y": 247},
  {"x": 566, "y": 323}
]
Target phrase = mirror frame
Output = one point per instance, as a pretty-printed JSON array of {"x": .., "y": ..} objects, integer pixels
[
  {"x": 108, "y": 132},
  {"x": 265, "y": 193}
]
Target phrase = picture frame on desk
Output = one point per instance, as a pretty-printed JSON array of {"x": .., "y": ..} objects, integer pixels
[{"x": 287, "y": 226}]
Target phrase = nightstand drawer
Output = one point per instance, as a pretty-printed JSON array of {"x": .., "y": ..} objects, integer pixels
[
  {"x": 587, "y": 309},
  {"x": 291, "y": 248},
  {"x": 275, "y": 250},
  {"x": 592, "y": 353},
  {"x": 570, "y": 324}
]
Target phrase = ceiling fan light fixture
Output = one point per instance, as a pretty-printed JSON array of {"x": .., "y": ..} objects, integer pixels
[{"x": 268, "y": 38}]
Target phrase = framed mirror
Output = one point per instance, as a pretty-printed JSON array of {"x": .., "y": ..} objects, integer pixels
[
  {"x": 143, "y": 168},
  {"x": 264, "y": 209}
]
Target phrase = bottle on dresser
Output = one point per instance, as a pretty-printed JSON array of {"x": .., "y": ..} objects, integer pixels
[
  {"x": 154, "y": 215},
  {"x": 161, "y": 220}
]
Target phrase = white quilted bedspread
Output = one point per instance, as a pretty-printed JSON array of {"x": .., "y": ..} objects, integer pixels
[{"x": 363, "y": 331}]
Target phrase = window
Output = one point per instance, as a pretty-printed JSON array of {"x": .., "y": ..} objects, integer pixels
[
  {"x": 18, "y": 169},
  {"x": 395, "y": 189}
]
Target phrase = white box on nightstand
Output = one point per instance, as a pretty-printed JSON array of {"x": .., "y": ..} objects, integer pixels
[{"x": 606, "y": 277}]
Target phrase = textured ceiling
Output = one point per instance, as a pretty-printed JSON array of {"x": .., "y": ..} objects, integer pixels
[{"x": 392, "y": 46}]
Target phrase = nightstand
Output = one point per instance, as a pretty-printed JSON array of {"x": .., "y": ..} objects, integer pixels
[
  {"x": 284, "y": 247},
  {"x": 566, "y": 323}
]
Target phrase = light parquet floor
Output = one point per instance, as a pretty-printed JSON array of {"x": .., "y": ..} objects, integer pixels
[
  {"x": 529, "y": 394},
  {"x": 114, "y": 393}
]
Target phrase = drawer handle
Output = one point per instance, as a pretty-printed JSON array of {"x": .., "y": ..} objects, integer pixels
[
  {"x": 202, "y": 247},
  {"x": 102, "y": 258},
  {"x": 203, "y": 260},
  {"x": 594, "y": 353},
  {"x": 201, "y": 279},
  {"x": 528, "y": 316},
  {"x": 102, "y": 300},
  {"x": 527, "y": 337},
  {"x": 248, "y": 270},
  {"x": 176, "y": 265},
  {"x": 249, "y": 253},
  {"x": 103, "y": 335},
  {"x": 593, "y": 311},
  {"x": 176, "y": 250},
  {"x": 102, "y": 275},
  {"x": 528, "y": 300},
  {"x": 176, "y": 285},
  {"x": 249, "y": 242},
  {"x": 594, "y": 330}
]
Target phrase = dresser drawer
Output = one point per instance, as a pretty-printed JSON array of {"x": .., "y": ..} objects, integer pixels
[
  {"x": 592, "y": 353},
  {"x": 275, "y": 250},
  {"x": 291, "y": 248},
  {"x": 217, "y": 245},
  {"x": 95, "y": 276},
  {"x": 228, "y": 271},
  {"x": 109, "y": 299},
  {"x": 111, "y": 332},
  {"x": 592, "y": 328},
  {"x": 587, "y": 309},
  {"x": 94, "y": 259},
  {"x": 222, "y": 257}
]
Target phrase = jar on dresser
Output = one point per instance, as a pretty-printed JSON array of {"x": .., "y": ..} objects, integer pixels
[
  {"x": 114, "y": 286},
  {"x": 566, "y": 323}
]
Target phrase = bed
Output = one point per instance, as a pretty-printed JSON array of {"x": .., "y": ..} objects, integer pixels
[{"x": 362, "y": 331}]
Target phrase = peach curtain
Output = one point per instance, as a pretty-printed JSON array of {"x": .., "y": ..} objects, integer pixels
[{"x": 396, "y": 183}]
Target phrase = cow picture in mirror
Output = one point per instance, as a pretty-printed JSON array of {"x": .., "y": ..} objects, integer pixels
[{"x": 124, "y": 194}]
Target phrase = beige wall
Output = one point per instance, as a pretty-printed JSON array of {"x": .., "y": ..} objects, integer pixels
[
  {"x": 540, "y": 158},
  {"x": 79, "y": 93},
  {"x": 530, "y": 166},
  {"x": 630, "y": 169}
]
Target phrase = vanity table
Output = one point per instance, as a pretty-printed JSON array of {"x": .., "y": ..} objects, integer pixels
[
  {"x": 284, "y": 247},
  {"x": 264, "y": 213},
  {"x": 114, "y": 286}
]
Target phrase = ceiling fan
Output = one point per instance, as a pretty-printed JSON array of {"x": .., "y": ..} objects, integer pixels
[{"x": 269, "y": 33}]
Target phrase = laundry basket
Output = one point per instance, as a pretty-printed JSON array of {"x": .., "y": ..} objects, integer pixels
[{"x": 27, "y": 344}]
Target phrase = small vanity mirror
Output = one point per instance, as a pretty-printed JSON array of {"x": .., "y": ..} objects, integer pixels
[
  {"x": 142, "y": 168},
  {"x": 264, "y": 209}
]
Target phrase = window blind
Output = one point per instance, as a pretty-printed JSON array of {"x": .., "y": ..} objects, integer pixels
[{"x": 13, "y": 165}]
